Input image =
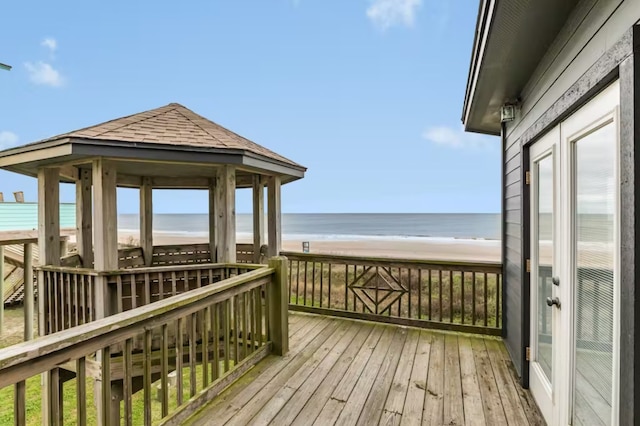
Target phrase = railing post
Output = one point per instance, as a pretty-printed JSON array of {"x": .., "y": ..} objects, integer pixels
[{"x": 279, "y": 309}]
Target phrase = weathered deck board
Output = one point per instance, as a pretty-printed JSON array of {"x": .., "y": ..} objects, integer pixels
[{"x": 351, "y": 372}]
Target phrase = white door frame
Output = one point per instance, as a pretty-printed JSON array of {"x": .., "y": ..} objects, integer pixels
[
  {"x": 600, "y": 111},
  {"x": 556, "y": 399},
  {"x": 541, "y": 388}
]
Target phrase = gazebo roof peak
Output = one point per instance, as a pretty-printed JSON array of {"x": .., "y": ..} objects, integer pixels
[
  {"x": 172, "y": 135},
  {"x": 172, "y": 124}
]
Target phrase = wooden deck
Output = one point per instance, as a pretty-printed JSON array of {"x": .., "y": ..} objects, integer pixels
[{"x": 350, "y": 372}]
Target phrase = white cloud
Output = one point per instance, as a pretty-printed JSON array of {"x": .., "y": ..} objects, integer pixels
[
  {"x": 458, "y": 138},
  {"x": 8, "y": 139},
  {"x": 388, "y": 13},
  {"x": 43, "y": 73},
  {"x": 50, "y": 43}
]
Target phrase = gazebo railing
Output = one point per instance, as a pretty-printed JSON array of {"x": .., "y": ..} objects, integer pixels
[
  {"x": 208, "y": 337},
  {"x": 184, "y": 254},
  {"x": 71, "y": 296}
]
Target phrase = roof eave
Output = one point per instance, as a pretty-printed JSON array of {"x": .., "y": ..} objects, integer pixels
[
  {"x": 58, "y": 150},
  {"x": 483, "y": 24}
]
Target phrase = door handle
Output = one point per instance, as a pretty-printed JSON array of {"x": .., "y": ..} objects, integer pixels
[
  {"x": 553, "y": 301},
  {"x": 555, "y": 280}
]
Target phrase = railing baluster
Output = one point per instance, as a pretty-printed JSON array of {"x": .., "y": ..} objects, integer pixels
[
  {"x": 329, "y": 287},
  {"x": 450, "y": 296},
  {"x": 409, "y": 280},
  {"x": 399, "y": 312},
  {"x": 346, "y": 287},
  {"x": 313, "y": 284},
  {"x": 498, "y": 289},
  {"x": 106, "y": 385},
  {"x": 55, "y": 303},
  {"x": 192, "y": 354},
  {"x": 485, "y": 300},
  {"x": 291, "y": 280},
  {"x": 134, "y": 291},
  {"x": 68, "y": 322},
  {"x": 179, "y": 344},
  {"x": 245, "y": 326},
  {"x": 147, "y": 289},
  {"x": 261, "y": 339},
  {"x": 147, "y": 376},
  {"x": 174, "y": 285},
  {"x": 81, "y": 391},
  {"x": 430, "y": 292},
  {"x": 440, "y": 291},
  {"x": 227, "y": 333},
  {"x": 215, "y": 370},
  {"x": 462, "y": 295},
  {"x": 164, "y": 370},
  {"x": 419, "y": 293},
  {"x": 127, "y": 383},
  {"x": 298, "y": 283},
  {"x": 253, "y": 309},
  {"x": 205, "y": 318},
  {"x": 377, "y": 296},
  {"x": 119, "y": 294},
  {"x": 267, "y": 307},
  {"x": 321, "y": 286},
  {"x": 304, "y": 294},
  {"x": 236, "y": 331},
  {"x": 160, "y": 286},
  {"x": 473, "y": 298},
  {"x": 83, "y": 297},
  {"x": 92, "y": 298},
  {"x": 20, "y": 404},
  {"x": 76, "y": 297}
]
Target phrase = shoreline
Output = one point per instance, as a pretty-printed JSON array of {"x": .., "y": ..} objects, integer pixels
[{"x": 449, "y": 249}]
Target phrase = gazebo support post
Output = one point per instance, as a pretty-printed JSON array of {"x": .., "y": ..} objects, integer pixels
[
  {"x": 84, "y": 237},
  {"x": 226, "y": 208},
  {"x": 258, "y": 216},
  {"x": 274, "y": 216},
  {"x": 213, "y": 220},
  {"x": 49, "y": 247},
  {"x": 146, "y": 220},
  {"x": 105, "y": 236}
]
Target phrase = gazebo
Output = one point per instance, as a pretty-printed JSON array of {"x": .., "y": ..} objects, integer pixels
[{"x": 170, "y": 147}]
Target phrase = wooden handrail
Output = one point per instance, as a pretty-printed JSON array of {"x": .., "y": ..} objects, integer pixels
[
  {"x": 489, "y": 267},
  {"x": 24, "y": 360},
  {"x": 167, "y": 268}
]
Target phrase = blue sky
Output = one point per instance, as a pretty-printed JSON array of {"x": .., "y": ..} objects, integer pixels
[{"x": 365, "y": 93}]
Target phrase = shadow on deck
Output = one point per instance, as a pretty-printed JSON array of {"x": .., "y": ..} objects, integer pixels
[{"x": 341, "y": 371}]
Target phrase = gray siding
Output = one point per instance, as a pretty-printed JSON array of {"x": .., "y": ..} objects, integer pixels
[
  {"x": 513, "y": 256},
  {"x": 593, "y": 28}
]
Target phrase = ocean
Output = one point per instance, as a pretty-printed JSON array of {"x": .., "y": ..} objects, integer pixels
[{"x": 343, "y": 226}]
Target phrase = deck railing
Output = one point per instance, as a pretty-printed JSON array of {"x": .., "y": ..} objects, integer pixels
[
  {"x": 461, "y": 296},
  {"x": 194, "y": 345},
  {"x": 72, "y": 296}
]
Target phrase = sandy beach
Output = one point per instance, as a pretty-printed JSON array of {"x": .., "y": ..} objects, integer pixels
[{"x": 431, "y": 249}]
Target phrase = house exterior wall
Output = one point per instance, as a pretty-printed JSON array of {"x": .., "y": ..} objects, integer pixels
[
  {"x": 24, "y": 216},
  {"x": 591, "y": 33}
]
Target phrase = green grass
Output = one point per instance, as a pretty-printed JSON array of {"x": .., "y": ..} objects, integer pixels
[
  {"x": 34, "y": 397},
  {"x": 13, "y": 334}
]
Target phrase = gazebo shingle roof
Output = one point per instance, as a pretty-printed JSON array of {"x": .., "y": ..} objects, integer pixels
[{"x": 172, "y": 124}]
